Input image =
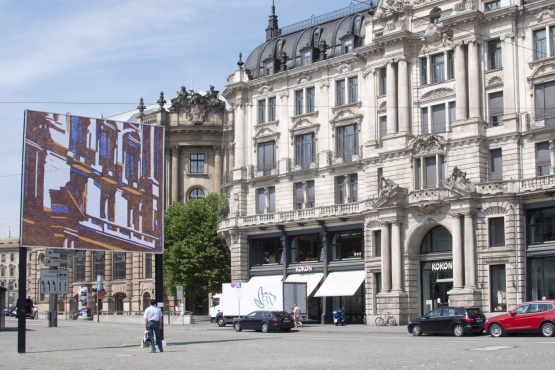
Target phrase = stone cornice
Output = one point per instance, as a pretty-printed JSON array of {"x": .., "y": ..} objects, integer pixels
[{"x": 471, "y": 16}]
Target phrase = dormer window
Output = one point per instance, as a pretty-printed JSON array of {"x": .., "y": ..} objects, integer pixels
[
  {"x": 356, "y": 25},
  {"x": 269, "y": 69},
  {"x": 279, "y": 44},
  {"x": 316, "y": 38},
  {"x": 348, "y": 46},
  {"x": 270, "y": 66},
  {"x": 307, "y": 57},
  {"x": 435, "y": 16}
]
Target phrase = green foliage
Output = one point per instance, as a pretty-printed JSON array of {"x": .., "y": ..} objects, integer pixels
[{"x": 195, "y": 256}]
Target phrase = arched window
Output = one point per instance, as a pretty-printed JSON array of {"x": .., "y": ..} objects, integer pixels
[
  {"x": 438, "y": 239},
  {"x": 12, "y": 271},
  {"x": 118, "y": 260},
  {"x": 356, "y": 25},
  {"x": 146, "y": 300},
  {"x": 3, "y": 258},
  {"x": 316, "y": 37},
  {"x": 196, "y": 194},
  {"x": 3, "y": 271},
  {"x": 435, "y": 15}
]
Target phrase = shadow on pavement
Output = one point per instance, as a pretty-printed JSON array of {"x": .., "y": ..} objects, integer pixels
[
  {"x": 84, "y": 349},
  {"x": 209, "y": 341},
  {"x": 15, "y": 329}
]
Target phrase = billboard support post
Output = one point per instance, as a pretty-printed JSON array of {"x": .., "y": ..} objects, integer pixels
[
  {"x": 159, "y": 284},
  {"x": 53, "y": 308},
  {"x": 21, "y": 300}
]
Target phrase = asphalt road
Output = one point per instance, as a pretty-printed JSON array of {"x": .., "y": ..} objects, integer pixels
[{"x": 91, "y": 345}]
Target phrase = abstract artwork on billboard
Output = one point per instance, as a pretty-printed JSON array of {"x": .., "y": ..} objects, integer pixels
[{"x": 92, "y": 184}]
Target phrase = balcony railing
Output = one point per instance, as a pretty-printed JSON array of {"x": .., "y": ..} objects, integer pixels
[
  {"x": 540, "y": 119},
  {"x": 428, "y": 195},
  {"x": 345, "y": 156},
  {"x": 302, "y": 163},
  {"x": 262, "y": 170},
  {"x": 517, "y": 186},
  {"x": 227, "y": 177}
]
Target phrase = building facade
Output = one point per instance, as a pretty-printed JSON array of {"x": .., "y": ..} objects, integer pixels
[
  {"x": 9, "y": 268},
  {"x": 398, "y": 158}
]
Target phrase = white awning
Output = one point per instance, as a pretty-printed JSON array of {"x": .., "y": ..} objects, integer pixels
[
  {"x": 266, "y": 279},
  {"x": 311, "y": 280},
  {"x": 341, "y": 284}
]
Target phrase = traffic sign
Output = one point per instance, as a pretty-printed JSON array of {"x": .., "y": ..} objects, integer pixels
[
  {"x": 54, "y": 282},
  {"x": 57, "y": 253},
  {"x": 179, "y": 292},
  {"x": 238, "y": 285},
  {"x": 57, "y": 262}
]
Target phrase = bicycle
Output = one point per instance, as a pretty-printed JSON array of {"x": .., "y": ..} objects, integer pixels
[
  {"x": 73, "y": 315},
  {"x": 385, "y": 319}
]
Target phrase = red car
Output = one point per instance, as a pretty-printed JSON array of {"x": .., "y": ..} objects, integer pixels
[{"x": 529, "y": 317}]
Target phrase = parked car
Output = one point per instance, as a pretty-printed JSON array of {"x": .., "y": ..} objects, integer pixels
[
  {"x": 456, "y": 320},
  {"x": 265, "y": 321},
  {"x": 529, "y": 317}
]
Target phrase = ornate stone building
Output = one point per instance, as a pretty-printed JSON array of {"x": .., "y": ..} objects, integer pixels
[
  {"x": 399, "y": 158},
  {"x": 9, "y": 268}
]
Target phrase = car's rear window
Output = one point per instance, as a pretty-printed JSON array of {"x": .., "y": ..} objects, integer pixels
[
  {"x": 283, "y": 314},
  {"x": 474, "y": 311}
]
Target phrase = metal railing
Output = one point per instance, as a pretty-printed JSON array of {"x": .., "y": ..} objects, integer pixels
[
  {"x": 345, "y": 155},
  {"x": 265, "y": 169},
  {"x": 540, "y": 119}
]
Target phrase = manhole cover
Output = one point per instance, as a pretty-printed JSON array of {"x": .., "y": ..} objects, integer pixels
[{"x": 493, "y": 348}]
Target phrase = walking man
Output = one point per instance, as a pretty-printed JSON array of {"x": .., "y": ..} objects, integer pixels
[
  {"x": 297, "y": 315},
  {"x": 153, "y": 319}
]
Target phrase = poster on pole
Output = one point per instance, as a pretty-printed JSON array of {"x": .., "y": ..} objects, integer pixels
[
  {"x": 92, "y": 184},
  {"x": 54, "y": 282}
]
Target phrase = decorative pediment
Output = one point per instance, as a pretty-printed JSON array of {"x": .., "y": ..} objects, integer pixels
[
  {"x": 195, "y": 106},
  {"x": 265, "y": 89},
  {"x": 343, "y": 67},
  {"x": 545, "y": 15},
  {"x": 345, "y": 116},
  {"x": 436, "y": 36},
  {"x": 389, "y": 193},
  {"x": 540, "y": 70},
  {"x": 303, "y": 78},
  {"x": 303, "y": 125},
  {"x": 366, "y": 72},
  {"x": 425, "y": 144},
  {"x": 438, "y": 93},
  {"x": 265, "y": 133}
]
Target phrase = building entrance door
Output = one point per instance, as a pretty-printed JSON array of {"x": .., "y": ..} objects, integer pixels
[{"x": 439, "y": 294}]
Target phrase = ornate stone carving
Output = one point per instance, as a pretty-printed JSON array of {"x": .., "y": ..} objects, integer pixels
[
  {"x": 465, "y": 5},
  {"x": 428, "y": 208},
  {"x": 458, "y": 180},
  {"x": 436, "y": 36},
  {"x": 386, "y": 187},
  {"x": 196, "y": 106},
  {"x": 390, "y": 8},
  {"x": 284, "y": 95},
  {"x": 544, "y": 15},
  {"x": 161, "y": 101},
  {"x": 231, "y": 78},
  {"x": 426, "y": 143},
  {"x": 141, "y": 106},
  {"x": 303, "y": 78},
  {"x": 265, "y": 89},
  {"x": 175, "y": 150},
  {"x": 343, "y": 67},
  {"x": 438, "y": 93},
  {"x": 325, "y": 85},
  {"x": 366, "y": 72}
]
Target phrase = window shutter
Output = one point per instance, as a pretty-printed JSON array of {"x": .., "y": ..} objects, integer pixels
[
  {"x": 496, "y": 165},
  {"x": 438, "y": 118},
  {"x": 340, "y": 190},
  {"x": 549, "y": 94},
  {"x": 261, "y": 155},
  {"x": 431, "y": 179},
  {"x": 269, "y": 155},
  {"x": 424, "y": 120},
  {"x": 340, "y": 133},
  {"x": 311, "y": 194},
  {"x": 383, "y": 121},
  {"x": 452, "y": 112},
  {"x": 261, "y": 201},
  {"x": 299, "y": 196},
  {"x": 496, "y": 103},
  {"x": 272, "y": 199},
  {"x": 418, "y": 175},
  {"x": 543, "y": 155}
]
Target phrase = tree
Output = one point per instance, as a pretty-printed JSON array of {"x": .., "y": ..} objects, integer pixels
[{"x": 195, "y": 256}]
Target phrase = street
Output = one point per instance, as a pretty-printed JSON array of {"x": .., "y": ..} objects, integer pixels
[{"x": 91, "y": 345}]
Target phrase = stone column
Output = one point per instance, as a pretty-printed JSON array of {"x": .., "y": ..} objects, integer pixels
[
  {"x": 240, "y": 134},
  {"x": 386, "y": 259},
  {"x": 217, "y": 167},
  {"x": 89, "y": 266},
  {"x": 231, "y": 156},
  {"x": 460, "y": 77},
  {"x": 469, "y": 251},
  {"x": 391, "y": 99},
  {"x": 370, "y": 108},
  {"x": 129, "y": 280},
  {"x": 509, "y": 71},
  {"x": 473, "y": 80},
  {"x": 168, "y": 176},
  {"x": 403, "y": 96},
  {"x": 458, "y": 255},
  {"x": 225, "y": 153},
  {"x": 396, "y": 257},
  {"x": 175, "y": 173}
]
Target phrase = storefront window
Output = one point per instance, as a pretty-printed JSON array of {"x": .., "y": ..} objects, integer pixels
[
  {"x": 347, "y": 245},
  {"x": 542, "y": 226},
  {"x": 437, "y": 240},
  {"x": 437, "y": 280},
  {"x": 266, "y": 251},
  {"x": 306, "y": 248},
  {"x": 354, "y": 306},
  {"x": 498, "y": 288},
  {"x": 542, "y": 278}
]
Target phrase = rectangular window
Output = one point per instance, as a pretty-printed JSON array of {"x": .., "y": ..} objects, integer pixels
[
  {"x": 348, "y": 46},
  {"x": 261, "y": 111},
  {"x": 431, "y": 174},
  {"x": 353, "y": 188},
  {"x": 79, "y": 268},
  {"x": 148, "y": 266},
  {"x": 383, "y": 126},
  {"x": 377, "y": 243},
  {"x": 424, "y": 71},
  {"x": 418, "y": 175},
  {"x": 496, "y": 165},
  {"x": 310, "y": 100},
  {"x": 307, "y": 58},
  {"x": 545, "y": 102},
  {"x": 425, "y": 120},
  {"x": 552, "y": 31},
  {"x": 272, "y": 109},
  {"x": 341, "y": 190},
  {"x": 496, "y": 109},
  {"x": 353, "y": 89},
  {"x": 439, "y": 123},
  {"x": 441, "y": 168},
  {"x": 496, "y": 231},
  {"x": 261, "y": 201},
  {"x": 383, "y": 81},
  {"x": 540, "y": 44},
  {"x": 305, "y": 150},
  {"x": 98, "y": 264},
  {"x": 438, "y": 68},
  {"x": 118, "y": 260},
  {"x": 298, "y": 103},
  {"x": 347, "y": 245},
  {"x": 451, "y": 56},
  {"x": 543, "y": 159},
  {"x": 494, "y": 54},
  {"x": 299, "y": 195},
  {"x": 499, "y": 288},
  {"x": 266, "y": 251},
  {"x": 272, "y": 194},
  {"x": 306, "y": 248},
  {"x": 339, "y": 93},
  {"x": 311, "y": 194},
  {"x": 197, "y": 163},
  {"x": 266, "y": 153},
  {"x": 347, "y": 142},
  {"x": 542, "y": 225},
  {"x": 452, "y": 114},
  {"x": 269, "y": 69},
  {"x": 492, "y": 6}
]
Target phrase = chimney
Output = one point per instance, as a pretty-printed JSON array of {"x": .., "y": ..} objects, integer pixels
[
  {"x": 9, "y": 233},
  {"x": 272, "y": 30}
]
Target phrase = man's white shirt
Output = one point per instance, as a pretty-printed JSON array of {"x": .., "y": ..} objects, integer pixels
[{"x": 153, "y": 313}]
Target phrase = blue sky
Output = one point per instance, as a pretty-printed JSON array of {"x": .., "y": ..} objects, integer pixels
[{"x": 106, "y": 52}]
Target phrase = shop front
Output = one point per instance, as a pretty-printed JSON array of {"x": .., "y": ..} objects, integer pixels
[{"x": 344, "y": 289}]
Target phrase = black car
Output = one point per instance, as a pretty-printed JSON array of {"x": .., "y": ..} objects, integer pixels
[
  {"x": 456, "y": 320},
  {"x": 265, "y": 321}
]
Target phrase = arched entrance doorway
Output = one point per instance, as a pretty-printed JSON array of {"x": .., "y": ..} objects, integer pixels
[
  {"x": 436, "y": 268},
  {"x": 118, "y": 300},
  {"x": 146, "y": 300}
]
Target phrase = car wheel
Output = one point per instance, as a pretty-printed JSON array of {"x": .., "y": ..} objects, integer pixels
[
  {"x": 265, "y": 327},
  {"x": 458, "y": 330},
  {"x": 548, "y": 329},
  {"x": 287, "y": 330},
  {"x": 237, "y": 326},
  {"x": 221, "y": 322},
  {"x": 496, "y": 330},
  {"x": 416, "y": 330}
]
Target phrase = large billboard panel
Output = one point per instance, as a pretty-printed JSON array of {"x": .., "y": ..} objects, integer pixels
[{"x": 92, "y": 184}]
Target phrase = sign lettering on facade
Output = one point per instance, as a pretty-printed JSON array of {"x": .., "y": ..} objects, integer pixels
[
  {"x": 305, "y": 268},
  {"x": 441, "y": 266}
]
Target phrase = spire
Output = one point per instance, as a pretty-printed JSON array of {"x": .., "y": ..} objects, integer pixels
[
  {"x": 9, "y": 233},
  {"x": 273, "y": 29}
]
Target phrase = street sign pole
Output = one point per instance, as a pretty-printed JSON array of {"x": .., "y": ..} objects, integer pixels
[
  {"x": 21, "y": 301},
  {"x": 159, "y": 284},
  {"x": 53, "y": 308}
]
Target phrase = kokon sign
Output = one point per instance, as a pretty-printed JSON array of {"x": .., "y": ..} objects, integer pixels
[
  {"x": 305, "y": 268},
  {"x": 439, "y": 266}
]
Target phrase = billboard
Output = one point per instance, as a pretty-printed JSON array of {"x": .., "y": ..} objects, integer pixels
[{"x": 92, "y": 184}]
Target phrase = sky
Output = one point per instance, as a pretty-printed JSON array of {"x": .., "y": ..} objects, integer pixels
[{"x": 93, "y": 58}]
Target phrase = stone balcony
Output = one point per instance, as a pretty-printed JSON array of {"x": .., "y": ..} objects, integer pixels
[
  {"x": 227, "y": 177},
  {"x": 435, "y": 195},
  {"x": 345, "y": 156},
  {"x": 302, "y": 164},
  {"x": 535, "y": 184},
  {"x": 267, "y": 169}
]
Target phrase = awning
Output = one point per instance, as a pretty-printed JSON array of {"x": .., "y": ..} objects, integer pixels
[
  {"x": 266, "y": 279},
  {"x": 311, "y": 280},
  {"x": 341, "y": 284}
]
